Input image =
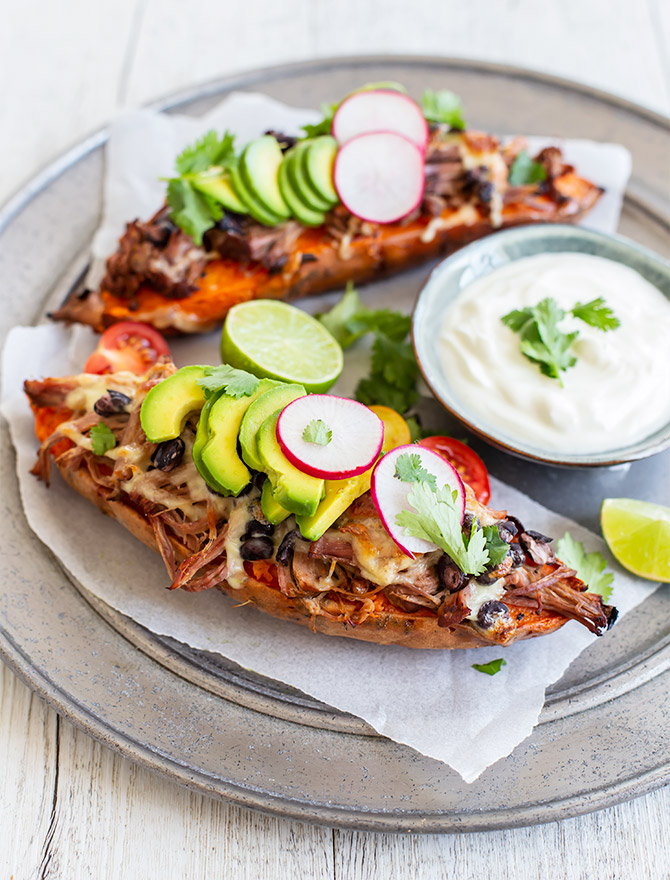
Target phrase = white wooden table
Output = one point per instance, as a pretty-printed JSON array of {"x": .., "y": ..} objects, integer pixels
[{"x": 70, "y": 808}]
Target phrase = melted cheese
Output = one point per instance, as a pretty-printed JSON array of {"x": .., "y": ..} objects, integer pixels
[
  {"x": 237, "y": 526},
  {"x": 92, "y": 387},
  {"x": 477, "y": 594},
  {"x": 466, "y": 215}
]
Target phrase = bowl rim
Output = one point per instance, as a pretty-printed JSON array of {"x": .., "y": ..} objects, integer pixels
[{"x": 556, "y": 231}]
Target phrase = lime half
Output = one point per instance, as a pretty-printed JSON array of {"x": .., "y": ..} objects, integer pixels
[
  {"x": 276, "y": 341},
  {"x": 638, "y": 534}
]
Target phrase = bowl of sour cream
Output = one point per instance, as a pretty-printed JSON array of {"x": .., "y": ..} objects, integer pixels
[{"x": 552, "y": 343}]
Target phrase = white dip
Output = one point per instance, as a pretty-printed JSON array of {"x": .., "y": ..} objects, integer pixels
[{"x": 617, "y": 393}]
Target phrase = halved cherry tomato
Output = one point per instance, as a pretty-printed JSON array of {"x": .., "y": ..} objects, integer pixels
[
  {"x": 127, "y": 345},
  {"x": 468, "y": 464}
]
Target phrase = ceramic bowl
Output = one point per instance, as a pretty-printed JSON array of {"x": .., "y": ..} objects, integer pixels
[{"x": 480, "y": 258}]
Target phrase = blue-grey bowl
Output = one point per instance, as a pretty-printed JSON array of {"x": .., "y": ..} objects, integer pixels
[{"x": 480, "y": 258}]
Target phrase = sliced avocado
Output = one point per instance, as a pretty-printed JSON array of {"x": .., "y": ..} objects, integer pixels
[
  {"x": 168, "y": 404},
  {"x": 202, "y": 435},
  {"x": 220, "y": 188},
  {"x": 299, "y": 209},
  {"x": 294, "y": 490},
  {"x": 219, "y": 455},
  {"x": 318, "y": 160},
  {"x": 257, "y": 210},
  {"x": 272, "y": 510},
  {"x": 259, "y": 165},
  {"x": 299, "y": 180},
  {"x": 276, "y": 398}
]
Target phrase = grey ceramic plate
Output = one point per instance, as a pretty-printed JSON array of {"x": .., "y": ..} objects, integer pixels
[
  {"x": 481, "y": 258},
  {"x": 604, "y": 734}
]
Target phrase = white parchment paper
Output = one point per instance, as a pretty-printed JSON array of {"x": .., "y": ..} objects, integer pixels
[{"x": 433, "y": 701}]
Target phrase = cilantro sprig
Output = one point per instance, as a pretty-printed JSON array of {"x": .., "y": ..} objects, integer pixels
[
  {"x": 590, "y": 567},
  {"x": 409, "y": 469},
  {"x": 490, "y": 668},
  {"x": 192, "y": 208},
  {"x": 393, "y": 369},
  {"x": 544, "y": 342},
  {"x": 235, "y": 383},
  {"x": 102, "y": 438},
  {"x": 443, "y": 107},
  {"x": 525, "y": 170},
  {"x": 317, "y": 431}
]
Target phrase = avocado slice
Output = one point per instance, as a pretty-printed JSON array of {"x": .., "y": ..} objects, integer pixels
[
  {"x": 257, "y": 210},
  {"x": 202, "y": 435},
  {"x": 293, "y": 489},
  {"x": 342, "y": 493},
  {"x": 299, "y": 180},
  {"x": 219, "y": 456},
  {"x": 168, "y": 404},
  {"x": 276, "y": 398},
  {"x": 259, "y": 165},
  {"x": 272, "y": 510},
  {"x": 220, "y": 188},
  {"x": 299, "y": 209},
  {"x": 318, "y": 160}
]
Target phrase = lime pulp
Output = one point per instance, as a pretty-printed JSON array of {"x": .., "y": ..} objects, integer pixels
[{"x": 638, "y": 534}]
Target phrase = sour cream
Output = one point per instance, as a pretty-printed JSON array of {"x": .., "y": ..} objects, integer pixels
[{"x": 617, "y": 393}]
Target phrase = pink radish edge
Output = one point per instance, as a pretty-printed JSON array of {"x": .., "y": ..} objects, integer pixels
[
  {"x": 420, "y": 142},
  {"x": 441, "y": 464},
  {"x": 343, "y": 155},
  {"x": 321, "y": 473}
]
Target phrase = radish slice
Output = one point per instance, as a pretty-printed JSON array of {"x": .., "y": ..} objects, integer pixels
[
  {"x": 379, "y": 177},
  {"x": 380, "y": 110},
  {"x": 390, "y": 493},
  {"x": 330, "y": 437}
]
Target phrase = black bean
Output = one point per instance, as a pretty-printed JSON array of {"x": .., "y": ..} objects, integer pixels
[
  {"x": 486, "y": 578},
  {"x": 256, "y": 527},
  {"x": 515, "y": 522},
  {"x": 111, "y": 403},
  {"x": 468, "y": 519},
  {"x": 538, "y": 536},
  {"x": 490, "y": 612},
  {"x": 257, "y": 548},
  {"x": 506, "y": 530},
  {"x": 168, "y": 454},
  {"x": 518, "y": 556},
  {"x": 486, "y": 191},
  {"x": 285, "y": 549},
  {"x": 449, "y": 574}
]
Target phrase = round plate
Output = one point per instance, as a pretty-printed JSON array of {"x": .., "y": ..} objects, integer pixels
[{"x": 604, "y": 733}]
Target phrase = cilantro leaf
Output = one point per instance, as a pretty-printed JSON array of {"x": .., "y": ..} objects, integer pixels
[
  {"x": 337, "y": 320},
  {"x": 542, "y": 340},
  {"x": 394, "y": 362},
  {"x": 376, "y": 391},
  {"x": 409, "y": 469},
  {"x": 525, "y": 170},
  {"x": 191, "y": 210},
  {"x": 597, "y": 313},
  {"x": 235, "y": 383},
  {"x": 495, "y": 546},
  {"x": 436, "y": 518},
  {"x": 491, "y": 667},
  {"x": 102, "y": 438},
  {"x": 443, "y": 106},
  {"x": 517, "y": 319},
  {"x": 590, "y": 567},
  {"x": 209, "y": 152},
  {"x": 317, "y": 431},
  {"x": 324, "y": 126}
]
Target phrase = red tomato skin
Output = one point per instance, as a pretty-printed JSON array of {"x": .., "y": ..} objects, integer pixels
[
  {"x": 128, "y": 345},
  {"x": 466, "y": 461}
]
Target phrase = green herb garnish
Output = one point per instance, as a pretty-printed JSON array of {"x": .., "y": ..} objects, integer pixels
[
  {"x": 394, "y": 371},
  {"x": 491, "y": 667},
  {"x": 436, "y": 518},
  {"x": 192, "y": 210},
  {"x": 235, "y": 383},
  {"x": 443, "y": 107},
  {"x": 495, "y": 546},
  {"x": 409, "y": 469},
  {"x": 324, "y": 126},
  {"x": 543, "y": 341},
  {"x": 590, "y": 567},
  {"x": 525, "y": 170},
  {"x": 102, "y": 438},
  {"x": 317, "y": 431}
]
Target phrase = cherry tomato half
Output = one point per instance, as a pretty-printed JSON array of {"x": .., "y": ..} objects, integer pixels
[
  {"x": 127, "y": 345},
  {"x": 468, "y": 464}
]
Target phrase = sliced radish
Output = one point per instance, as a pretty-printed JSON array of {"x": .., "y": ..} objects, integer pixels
[
  {"x": 380, "y": 110},
  {"x": 379, "y": 177},
  {"x": 330, "y": 437},
  {"x": 390, "y": 493}
]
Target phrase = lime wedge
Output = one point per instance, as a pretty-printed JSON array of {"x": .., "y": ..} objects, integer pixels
[
  {"x": 638, "y": 534},
  {"x": 276, "y": 341}
]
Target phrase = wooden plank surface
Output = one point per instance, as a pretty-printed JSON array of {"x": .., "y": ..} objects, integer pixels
[{"x": 70, "y": 808}]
